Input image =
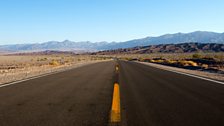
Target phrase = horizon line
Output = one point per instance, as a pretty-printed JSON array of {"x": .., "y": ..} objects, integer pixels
[{"x": 112, "y": 41}]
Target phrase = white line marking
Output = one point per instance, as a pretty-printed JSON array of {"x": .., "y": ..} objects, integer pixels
[
  {"x": 46, "y": 74},
  {"x": 203, "y": 78},
  {"x": 191, "y": 75},
  {"x": 31, "y": 78}
]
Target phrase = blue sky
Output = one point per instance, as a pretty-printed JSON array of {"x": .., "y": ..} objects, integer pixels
[{"x": 31, "y": 21}]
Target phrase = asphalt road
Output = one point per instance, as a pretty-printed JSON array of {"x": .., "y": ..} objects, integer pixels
[
  {"x": 83, "y": 97},
  {"x": 154, "y": 97},
  {"x": 77, "y": 97}
]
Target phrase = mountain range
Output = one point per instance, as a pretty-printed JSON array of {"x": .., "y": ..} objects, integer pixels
[
  {"x": 167, "y": 48},
  {"x": 86, "y": 46}
]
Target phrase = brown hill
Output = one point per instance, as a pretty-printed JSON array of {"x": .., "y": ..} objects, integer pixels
[{"x": 167, "y": 48}]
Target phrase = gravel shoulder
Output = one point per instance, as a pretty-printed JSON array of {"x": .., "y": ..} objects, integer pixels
[
  {"x": 214, "y": 76},
  {"x": 22, "y": 74}
]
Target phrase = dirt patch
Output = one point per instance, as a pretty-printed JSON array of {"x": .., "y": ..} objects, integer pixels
[{"x": 14, "y": 68}]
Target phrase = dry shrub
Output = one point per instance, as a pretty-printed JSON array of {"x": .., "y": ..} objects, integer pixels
[
  {"x": 170, "y": 61},
  {"x": 141, "y": 59},
  {"x": 54, "y": 63},
  {"x": 204, "y": 65},
  {"x": 153, "y": 61},
  {"x": 67, "y": 61},
  {"x": 187, "y": 63},
  {"x": 196, "y": 56},
  {"x": 158, "y": 61}
]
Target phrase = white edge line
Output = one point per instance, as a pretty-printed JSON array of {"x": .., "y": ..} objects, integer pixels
[
  {"x": 38, "y": 76},
  {"x": 31, "y": 78},
  {"x": 191, "y": 75}
]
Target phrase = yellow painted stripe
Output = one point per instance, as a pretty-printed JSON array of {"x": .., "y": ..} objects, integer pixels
[
  {"x": 117, "y": 68},
  {"x": 115, "y": 110}
]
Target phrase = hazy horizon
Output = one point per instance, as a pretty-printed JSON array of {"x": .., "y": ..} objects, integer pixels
[{"x": 103, "y": 41}]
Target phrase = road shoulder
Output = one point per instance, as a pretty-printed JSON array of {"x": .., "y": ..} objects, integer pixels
[
  {"x": 53, "y": 71},
  {"x": 193, "y": 73}
]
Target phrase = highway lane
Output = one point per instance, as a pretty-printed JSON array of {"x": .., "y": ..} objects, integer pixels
[
  {"x": 77, "y": 97},
  {"x": 83, "y": 97},
  {"x": 154, "y": 97}
]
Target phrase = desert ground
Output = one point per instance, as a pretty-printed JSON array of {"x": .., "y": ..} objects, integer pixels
[{"x": 18, "y": 67}]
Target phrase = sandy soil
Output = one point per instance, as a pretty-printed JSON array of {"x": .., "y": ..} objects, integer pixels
[{"x": 14, "y": 68}]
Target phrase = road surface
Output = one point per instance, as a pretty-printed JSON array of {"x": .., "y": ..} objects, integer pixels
[
  {"x": 83, "y": 96},
  {"x": 154, "y": 97}
]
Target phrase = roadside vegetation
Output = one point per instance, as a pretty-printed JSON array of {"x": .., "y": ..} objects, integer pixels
[
  {"x": 210, "y": 62},
  {"x": 17, "y": 67}
]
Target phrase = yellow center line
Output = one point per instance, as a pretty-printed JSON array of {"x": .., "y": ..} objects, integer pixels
[
  {"x": 115, "y": 116},
  {"x": 117, "y": 68}
]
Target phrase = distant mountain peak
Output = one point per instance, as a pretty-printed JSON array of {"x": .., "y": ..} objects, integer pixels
[
  {"x": 66, "y": 40},
  {"x": 67, "y": 45}
]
